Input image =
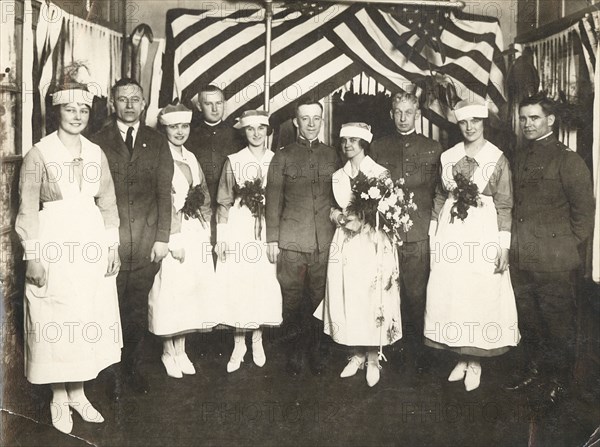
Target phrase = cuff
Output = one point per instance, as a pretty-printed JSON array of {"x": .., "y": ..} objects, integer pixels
[
  {"x": 176, "y": 241},
  {"x": 31, "y": 250},
  {"x": 112, "y": 236},
  {"x": 433, "y": 224},
  {"x": 504, "y": 239},
  {"x": 162, "y": 236}
]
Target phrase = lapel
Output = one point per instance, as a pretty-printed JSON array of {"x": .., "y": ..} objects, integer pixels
[
  {"x": 116, "y": 142},
  {"x": 141, "y": 143}
]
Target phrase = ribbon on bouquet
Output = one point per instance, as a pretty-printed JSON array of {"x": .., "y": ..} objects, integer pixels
[{"x": 258, "y": 224}]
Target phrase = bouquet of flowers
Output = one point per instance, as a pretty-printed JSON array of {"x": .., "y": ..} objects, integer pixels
[
  {"x": 382, "y": 204},
  {"x": 193, "y": 203},
  {"x": 466, "y": 195},
  {"x": 252, "y": 195}
]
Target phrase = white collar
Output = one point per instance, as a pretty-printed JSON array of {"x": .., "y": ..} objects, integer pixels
[
  {"x": 213, "y": 124},
  {"x": 407, "y": 133},
  {"x": 545, "y": 136},
  {"x": 184, "y": 157},
  {"x": 366, "y": 165},
  {"x": 123, "y": 127}
]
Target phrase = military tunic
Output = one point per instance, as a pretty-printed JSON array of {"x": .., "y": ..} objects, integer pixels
[
  {"x": 552, "y": 215},
  {"x": 416, "y": 159}
]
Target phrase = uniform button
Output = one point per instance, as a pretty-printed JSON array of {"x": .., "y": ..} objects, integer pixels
[
  {"x": 131, "y": 202},
  {"x": 312, "y": 181},
  {"x": 213, "y": 150},
  {"x": 553, "y": 234},
  {"x": 406, "y": 144},
  {"x": 520, "y": 219},
  {"x": 133, "y": 219},
  {"x": 312, "y": 166}
]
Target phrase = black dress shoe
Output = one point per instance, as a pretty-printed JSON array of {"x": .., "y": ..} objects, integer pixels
[
  {"x": 137, "y": 383},
  {"x": 557, "y": 392},
  {"x": 523, "y": 383}
]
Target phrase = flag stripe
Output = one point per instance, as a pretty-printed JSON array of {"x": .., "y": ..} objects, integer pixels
[
  {"x": 254, "y": 52},
  {"x": 319, "y": 53}
]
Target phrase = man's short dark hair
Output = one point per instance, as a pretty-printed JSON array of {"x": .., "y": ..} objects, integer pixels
[
  {"x": 124, "y": 82},
  {"x": 541, "y": 99},
  {"x": 309, "y": 101}
]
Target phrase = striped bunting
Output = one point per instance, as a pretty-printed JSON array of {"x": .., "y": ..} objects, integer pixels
[
  {"x": 586, "y": 28},
  {"x": 317, "y": 54},
  {"x": 470, "y": 48}
]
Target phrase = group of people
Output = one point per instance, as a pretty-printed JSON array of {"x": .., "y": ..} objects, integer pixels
[{"x": 191, "y": 229}]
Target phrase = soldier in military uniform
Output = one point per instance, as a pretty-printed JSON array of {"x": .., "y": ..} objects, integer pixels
[
  {"x": 212, "y": 141},
  {"x": 299, "y": 198},
  {"x": 414, "y": 157},
  {"x": 553, "y": 216}
]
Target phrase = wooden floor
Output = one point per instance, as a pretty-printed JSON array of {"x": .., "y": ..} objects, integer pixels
[{"x": 263, "y": 406}]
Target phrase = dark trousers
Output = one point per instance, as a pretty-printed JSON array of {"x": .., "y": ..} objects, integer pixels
[
  {"x": 414, "y": 274},
  {"x": 133, "y": 287},
  {"x": 302, "y": 277},
  {"x": 547, "y": 319}
]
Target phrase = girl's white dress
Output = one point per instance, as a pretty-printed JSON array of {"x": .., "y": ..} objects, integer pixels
[
  {"x": 183, "y": 298},
  {"x": 72, "y": 324},
  {"x": 362, "y": 297},
  {"x": 250, "y": 292},
  {"x": 470, "y": 309}
]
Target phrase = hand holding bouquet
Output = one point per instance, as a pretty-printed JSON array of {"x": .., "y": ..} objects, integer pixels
[
  {"x": 252, "y": 195},
  {"x": 192, "y": 208},
  {"x": 382, "y": 204}
]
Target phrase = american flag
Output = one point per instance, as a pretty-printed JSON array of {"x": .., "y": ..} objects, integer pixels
[{"x": 316, "y": 52}]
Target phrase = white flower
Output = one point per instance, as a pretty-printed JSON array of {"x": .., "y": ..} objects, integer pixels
[
  {"x": 374, "y": 192},
  {"x": 364, "y": 195}
]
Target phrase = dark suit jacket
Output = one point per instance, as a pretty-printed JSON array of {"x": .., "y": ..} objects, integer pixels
[
  {"x": 143, "y": 190},
  {"x": 553, "y": 208},
  {"x": 299, "y": 196},
  {"x": 415, "y": 158},
  {"x": 211, "y": 145}
]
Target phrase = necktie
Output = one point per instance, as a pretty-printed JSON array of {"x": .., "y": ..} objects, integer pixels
[{"x": 129, "y": 140}]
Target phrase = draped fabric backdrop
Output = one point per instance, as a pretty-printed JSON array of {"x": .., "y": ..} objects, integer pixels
[
  {"x": 63, "y": 39},
  {"x": 317, "y": 52}
]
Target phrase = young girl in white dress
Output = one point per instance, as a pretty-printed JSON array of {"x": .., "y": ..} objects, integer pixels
[
  {"x": 359, "y": 309},
  {"x": 182, "y": 298},
  {"x": 471, "y": 306},
  {"x": 251, "y": 296},
  {"x": 72, "y": 324}
]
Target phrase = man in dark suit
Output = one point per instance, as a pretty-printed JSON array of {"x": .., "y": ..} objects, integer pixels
[
  {"x": 553, "y": 216},
  {"x": 409, "y": 155},
  {"x": 142, "y": 169},
  {"x": 299, "y": 198},
  {"x": 212, "y": 141}
]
